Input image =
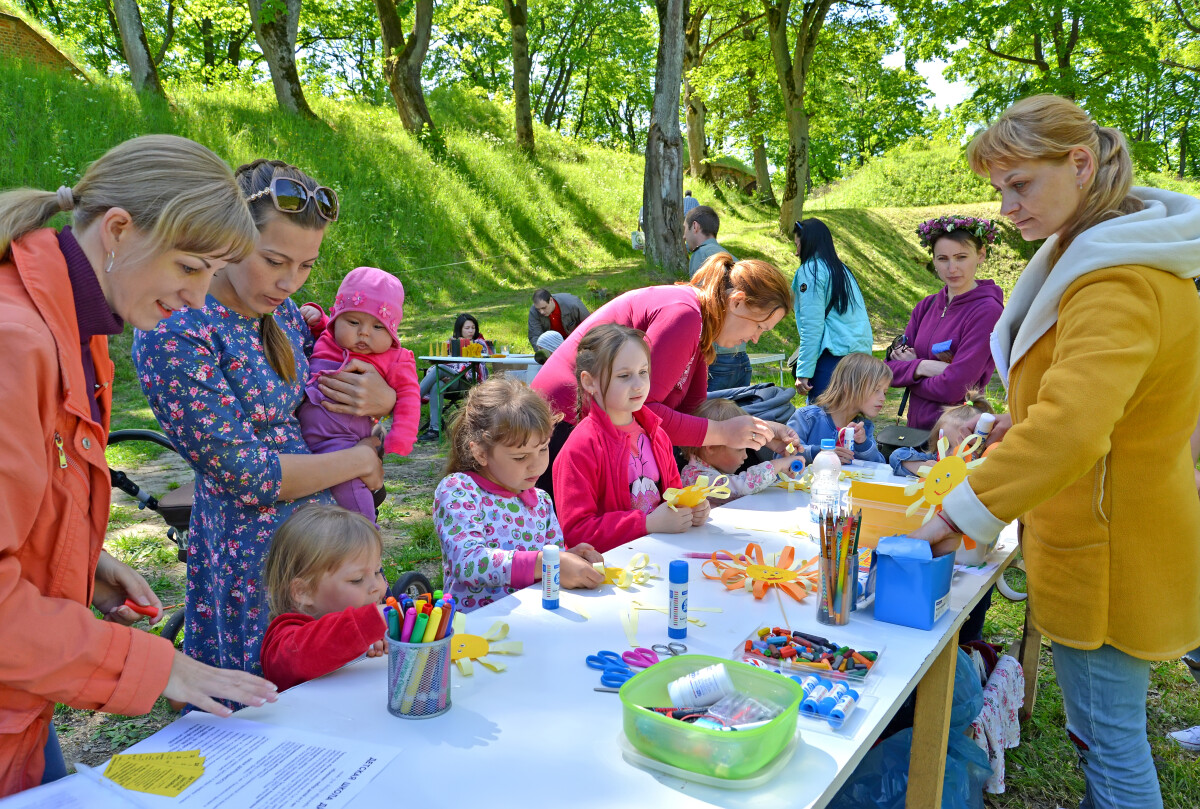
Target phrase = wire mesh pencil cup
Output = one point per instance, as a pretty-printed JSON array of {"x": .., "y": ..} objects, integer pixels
[{"x": 418, "y": 678}]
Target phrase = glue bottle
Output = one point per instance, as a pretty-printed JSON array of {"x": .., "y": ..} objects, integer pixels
[
  {"x": 677, "y": 574},
  {"x": 826, "y": 494},
  {"x": 550, "y": 577}
]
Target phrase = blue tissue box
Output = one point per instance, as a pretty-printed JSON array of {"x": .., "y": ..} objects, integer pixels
[{"x": 911, "y": 587}]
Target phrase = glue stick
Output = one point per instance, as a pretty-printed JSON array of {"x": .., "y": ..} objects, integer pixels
[
  {"x": 984, "y": 426},
  {"x": 677, "y": 608},
  {"x": 550, "y": 577},
  {"x": 837, "y": 716}
]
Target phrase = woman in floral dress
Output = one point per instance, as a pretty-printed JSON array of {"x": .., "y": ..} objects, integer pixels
[{"x": 224, "y": 382}]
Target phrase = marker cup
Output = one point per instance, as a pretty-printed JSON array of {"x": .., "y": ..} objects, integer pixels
[
  {"x": 838, "y": 581},
  {"x": 418, "y": 678}
]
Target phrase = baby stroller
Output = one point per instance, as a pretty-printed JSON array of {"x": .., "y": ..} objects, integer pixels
[{"x": 175, "y": 507}]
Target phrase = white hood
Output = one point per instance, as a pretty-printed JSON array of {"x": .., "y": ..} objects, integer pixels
[{"x": 1164, "y": 235}]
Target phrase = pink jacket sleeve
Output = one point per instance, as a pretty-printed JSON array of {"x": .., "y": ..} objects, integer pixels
[
  {"x": 580, "y": 503},
  {"x": 674, "y": 337},
  {"x": 296, "y": 650},
  {"x": 406, "y": 414}
]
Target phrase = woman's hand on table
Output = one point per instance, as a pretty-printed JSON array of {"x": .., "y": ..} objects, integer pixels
[
  {"x": 116, "y": 581},
  {"x": 576, "y": 573},
  {"x": 781, "y": 436},
  {"x": 930, "y": 368},
  {"x": 357, "y": 390},
  {"x": 942, "y": 540},
  {"x": 667, "y": 520},
  {"x": 201, "y": 685},
  {"x": 372, "y": 474},
  {"x": 700, "y": 513}
]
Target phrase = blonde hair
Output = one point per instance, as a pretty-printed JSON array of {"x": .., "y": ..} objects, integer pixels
[
  {"x": 973, "y": 404},
  {"x": 855, "y": 377},
  {"x": 501, "y": 411},
  {"x": 177, "y": 192},
  {"x": 1048, "y": 127},
  {"x": 311, "y": 543},
  {"x": 252, "y": 178},
  {"x": 596, "y": 354},
  {"x": 763, "y": 285},
  {"x": 714, "y": 410}
]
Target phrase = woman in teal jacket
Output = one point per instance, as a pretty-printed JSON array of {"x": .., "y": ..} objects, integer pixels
[{"x": 831, "y": 315}]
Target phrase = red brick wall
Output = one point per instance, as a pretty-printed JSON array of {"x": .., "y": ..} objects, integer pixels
[{"x": 19, "y": 41}]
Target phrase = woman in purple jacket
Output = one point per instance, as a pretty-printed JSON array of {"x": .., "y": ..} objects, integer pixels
[{"x": 946, "y": 349}]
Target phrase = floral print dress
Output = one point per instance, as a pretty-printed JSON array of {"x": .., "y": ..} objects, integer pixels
[{"x": 230, "y": 416}]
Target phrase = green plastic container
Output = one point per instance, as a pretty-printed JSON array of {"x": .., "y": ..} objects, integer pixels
[{"x": 717, "y": 753}]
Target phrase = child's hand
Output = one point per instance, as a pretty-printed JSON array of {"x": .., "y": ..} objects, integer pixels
[
  {"x": 700, "y": 513},
  {"x": 311, "y": 314},
  {"x": 844, "y": 455},
  {"x": 665, "y": 520},
  {"x": 587, "y": 552},
  {"x": 377, "y": 649},
  {"x": 784, "y": 465},
  {"x": 782, "y": 435},
  {"x": 577, "y": 573},
  {"x": 860, "y": 432}
]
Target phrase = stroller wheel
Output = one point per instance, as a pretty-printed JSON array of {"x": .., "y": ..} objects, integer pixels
[
  {"x": 411, "y": 584},
  {"x": 173, "y": 625}
]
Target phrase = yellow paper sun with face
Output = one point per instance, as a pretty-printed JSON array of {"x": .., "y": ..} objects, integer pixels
[
  {"x": 936, "y": 481},
  {"x": 749, "y": 571},
  {"x": 464, "y": 648}
]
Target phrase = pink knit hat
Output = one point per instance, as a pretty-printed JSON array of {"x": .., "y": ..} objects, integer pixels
[{"x": 372, "y": 292}]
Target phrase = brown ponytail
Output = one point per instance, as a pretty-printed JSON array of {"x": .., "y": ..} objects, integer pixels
[
  {"x": 1048, "y": 127},
  {"x": 254, "y": 177},
  {"x": 764, "y": 286}
]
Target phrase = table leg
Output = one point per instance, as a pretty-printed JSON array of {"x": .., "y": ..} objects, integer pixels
[
  {"x": 931, "y": 732},
  {"x": 1029, "y": 654}
]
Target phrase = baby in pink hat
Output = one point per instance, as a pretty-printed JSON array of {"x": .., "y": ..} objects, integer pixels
[{"x": 362, "y": 324}]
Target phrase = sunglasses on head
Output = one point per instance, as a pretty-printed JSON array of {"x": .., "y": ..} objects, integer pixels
[
  {"x": 291, "y": 196},
  {"x": 798, "y": 230}
]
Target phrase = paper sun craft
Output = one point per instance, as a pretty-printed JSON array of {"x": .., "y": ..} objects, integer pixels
[
  {"x": 749, "y": 571},
  {"x": 695, "y": 494},
  {"x": 936, "y": 481},
  {"x": 464, "y": 648}
]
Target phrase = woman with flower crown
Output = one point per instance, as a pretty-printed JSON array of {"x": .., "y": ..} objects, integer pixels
[{"x": 945, "y": 350}]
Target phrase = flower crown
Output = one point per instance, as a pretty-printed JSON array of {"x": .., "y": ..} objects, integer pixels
[{"x": 932, "y": 230}]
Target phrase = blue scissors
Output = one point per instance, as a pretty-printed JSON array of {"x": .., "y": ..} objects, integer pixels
[
  {"x": 669, "y": 649},
  {"x": 614, "y": 670}
]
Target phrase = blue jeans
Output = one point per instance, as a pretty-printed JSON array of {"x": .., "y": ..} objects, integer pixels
[
  {"x": 1104, "y": 694},
  {"x": 729, "y": 371},
  {"x": 821, "y": 374},
  {"x": 55, "y": 766}
]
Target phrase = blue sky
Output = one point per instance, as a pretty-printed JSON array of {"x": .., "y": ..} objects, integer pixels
[{"x": 945, "y": 93}]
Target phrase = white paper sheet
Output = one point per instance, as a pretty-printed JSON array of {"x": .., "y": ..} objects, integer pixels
[{"x": 72, "y": 792}]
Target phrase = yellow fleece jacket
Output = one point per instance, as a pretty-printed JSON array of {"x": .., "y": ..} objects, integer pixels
[{"x": 1098, "y": 466}]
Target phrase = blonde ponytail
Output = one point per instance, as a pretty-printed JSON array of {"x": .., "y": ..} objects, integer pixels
[
  {"x": 177, "y": 192},
  {"x": 1048, "y": 127}
]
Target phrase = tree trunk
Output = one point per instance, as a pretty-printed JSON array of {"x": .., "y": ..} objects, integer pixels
[
  {"x": 791, "y": 68},
  {"x": 275, "y": 31},
  {"x": 142, "y": 72},
  {"x": 402, "y": 60},
  {"x": 762, "y": 171},
  {"x": 518, "y": 17},
  {"x": 1183, "y": 150},
  {"x": 693, "y": 104},
  {"x": 662, "y": 190}
]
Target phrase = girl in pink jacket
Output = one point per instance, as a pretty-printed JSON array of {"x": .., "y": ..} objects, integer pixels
[
  {"x": 362, "y": 324},
  {"x": 614, "y": 467}
]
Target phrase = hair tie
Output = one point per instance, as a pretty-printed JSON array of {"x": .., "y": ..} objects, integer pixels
[{"x": 66, "y": 198}]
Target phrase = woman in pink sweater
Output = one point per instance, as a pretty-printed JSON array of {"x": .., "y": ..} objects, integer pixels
[{"x": 725, "y": 303}]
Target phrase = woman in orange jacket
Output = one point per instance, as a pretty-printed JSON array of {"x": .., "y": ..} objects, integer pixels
[
  {"x": 1100, "y": 350},
  {"x": 153, "y": 219}
]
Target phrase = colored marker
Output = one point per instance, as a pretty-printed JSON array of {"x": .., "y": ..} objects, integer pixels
[
  {"x": 447, "y": 614},
  {"x": 410, "y": 618},
  {"x": 148, "y": 611},
  {"x": 437, "y": 595},
  {"x": 419, "y": 628},
  {"x": 393, "y": 623},
  {"x": 431, "y": 626},
  {"x": 391, "y": 602}
]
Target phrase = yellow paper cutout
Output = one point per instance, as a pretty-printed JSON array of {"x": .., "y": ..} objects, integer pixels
[
  {"x": 803, "y": 481},
  {"x": 465, "y": 648},
  {"x": 165, "y": 774},
  {"x": 639, "y": 571},
  {"x": 629, "y": 620},
  {"x": 693, "y": 495},
  {"x": 750, "y": 572},
  {"x": 937, "y": 481},
  {"x": 692, "y": 619}
]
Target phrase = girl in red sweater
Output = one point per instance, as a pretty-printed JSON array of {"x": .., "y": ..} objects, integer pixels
[
  {"x": 616, "y": 464},
  {"x": 324, "y": 584}
]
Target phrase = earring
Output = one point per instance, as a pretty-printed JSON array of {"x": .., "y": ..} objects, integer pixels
[{"x": 112, "y": 256}]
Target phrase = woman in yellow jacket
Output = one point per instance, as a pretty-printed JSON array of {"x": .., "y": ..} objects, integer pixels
[
  {"x": 1100, "y": 350},
  {"x": 152, "y": 219}
]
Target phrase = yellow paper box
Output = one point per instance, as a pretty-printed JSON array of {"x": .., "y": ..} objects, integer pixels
[{"x": 883, "y": 506}]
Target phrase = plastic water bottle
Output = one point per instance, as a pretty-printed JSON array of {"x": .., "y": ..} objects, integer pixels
[{"x": 826, "y": 487}]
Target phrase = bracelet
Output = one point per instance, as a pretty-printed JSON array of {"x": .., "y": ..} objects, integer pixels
[{"x": 949, "y": 523}]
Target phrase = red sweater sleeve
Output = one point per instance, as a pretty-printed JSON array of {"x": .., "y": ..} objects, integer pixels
[
  {"x": 298, "y": 648},
  {"x": 406, "y": 414},
  {"x": 585, "y": 509},
  {"x": 674, "y": 336}
]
